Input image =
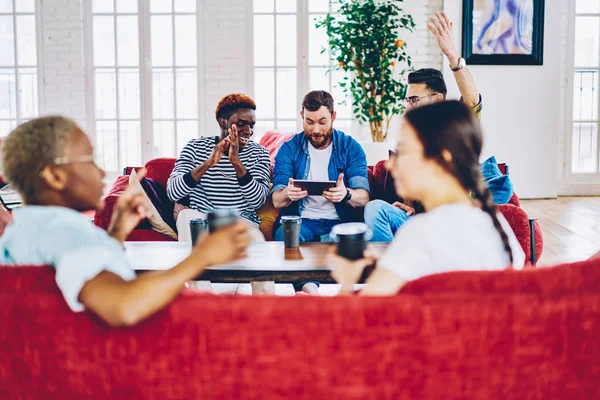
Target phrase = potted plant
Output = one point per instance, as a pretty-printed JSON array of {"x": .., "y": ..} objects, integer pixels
[{"x": 364, "y": 40}]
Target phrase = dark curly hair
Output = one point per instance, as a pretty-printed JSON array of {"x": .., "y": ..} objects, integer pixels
[
  {"x": 432, "y": 78},
  {"x": 233, "y": 102}
]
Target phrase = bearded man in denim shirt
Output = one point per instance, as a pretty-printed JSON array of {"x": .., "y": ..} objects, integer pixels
[{"x": 320, "y": 153}]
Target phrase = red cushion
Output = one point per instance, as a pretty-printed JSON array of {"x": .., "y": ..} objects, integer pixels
[
  {"x": 379, "y": 175},
  {"x": 514, "y": 200},
  {"x": 519, "y": 222},
  {"x": 273, "y": 141},
  {"x": 159, "y": 169},
  {"x": 102, "y": 217}
]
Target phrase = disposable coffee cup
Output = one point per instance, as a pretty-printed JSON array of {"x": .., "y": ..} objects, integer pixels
[
  {"x": 291, "y": 231},
  {"x": 351, "y": 239},
  {"x": 221, "y": 218},
  {"x": 197, "y": 227}
]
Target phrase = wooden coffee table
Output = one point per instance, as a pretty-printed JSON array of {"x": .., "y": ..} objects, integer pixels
[{"x": 268, "y": 261}]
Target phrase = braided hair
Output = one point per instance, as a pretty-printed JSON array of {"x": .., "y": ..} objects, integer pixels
[{"x": 451, "y": 126}]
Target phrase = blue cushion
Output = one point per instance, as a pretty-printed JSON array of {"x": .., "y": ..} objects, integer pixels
[{"x": 499, "y": 184}]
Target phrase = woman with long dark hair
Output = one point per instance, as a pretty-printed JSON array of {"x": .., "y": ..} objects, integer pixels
[{"x": 437, "y": 163}]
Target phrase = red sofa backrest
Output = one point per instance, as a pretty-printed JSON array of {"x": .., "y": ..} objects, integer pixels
[
  {"x": 159, "y": 169},
  {"x": 273, "y": 141},
  {"x": 485, "y": 335}
]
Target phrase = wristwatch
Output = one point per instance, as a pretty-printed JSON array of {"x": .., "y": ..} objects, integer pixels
[
  {"x": 348, "y": 196},
  {"x": 461, "y": 65}
]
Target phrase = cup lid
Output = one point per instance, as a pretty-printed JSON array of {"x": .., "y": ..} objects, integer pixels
[
  {"x": 199, "y": 221},
  {"x": 351, "y": 229},
  {"x": 291, "y": 218}
]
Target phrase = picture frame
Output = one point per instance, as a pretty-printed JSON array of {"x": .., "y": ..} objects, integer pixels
[{"x": 496, "y": 32}]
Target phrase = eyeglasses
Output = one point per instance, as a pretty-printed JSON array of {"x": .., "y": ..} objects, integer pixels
[
  {"x": 414, "y": 100},
  {"x": 89, "y": 158}
]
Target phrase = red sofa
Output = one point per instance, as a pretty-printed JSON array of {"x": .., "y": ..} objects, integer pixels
[
  {"x": 529, "y": 334},
  {"x": 159, "y": 169}
]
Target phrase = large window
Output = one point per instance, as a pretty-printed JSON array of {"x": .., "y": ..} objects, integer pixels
[
  {"x": 291, "y": 57},
  {"x": 145, "y": 75},
  {"x": 584, "y": 156},
  {"x": 18, "y": 64}
]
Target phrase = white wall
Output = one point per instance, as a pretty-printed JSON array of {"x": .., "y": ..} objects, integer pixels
[{"x": 523, "y": 106}]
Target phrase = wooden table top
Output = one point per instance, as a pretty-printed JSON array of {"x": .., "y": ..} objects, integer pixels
[{"x": 268, "y": 261}]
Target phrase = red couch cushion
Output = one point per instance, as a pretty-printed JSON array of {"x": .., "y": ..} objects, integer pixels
[
  {"x": 159, "y": 169},
  {"x": 517, "y": 335}
]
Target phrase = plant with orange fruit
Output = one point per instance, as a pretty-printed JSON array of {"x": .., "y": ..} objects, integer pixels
[{"x": 364, "y": 40}]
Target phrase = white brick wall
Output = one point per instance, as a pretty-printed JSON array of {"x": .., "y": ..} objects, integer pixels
[
  {"x": 421, "y": 44},
  {"x": 227, "y": 52},
  {"x": 63, "y": 88}
]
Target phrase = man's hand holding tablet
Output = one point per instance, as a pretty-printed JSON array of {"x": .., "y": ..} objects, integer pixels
[{"x": 295, "y": 193}]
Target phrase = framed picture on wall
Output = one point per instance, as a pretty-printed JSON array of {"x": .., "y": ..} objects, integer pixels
[{"x": 503, "y": 32}]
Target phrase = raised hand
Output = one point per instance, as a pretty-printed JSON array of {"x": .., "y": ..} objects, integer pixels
[
  {"x": 234, "y": 143},
  {"x": 441, "y": 27},
  {"x": 218, "y": 152},
  {"x": 132, "y": 207},
  {"x": 295, "y": 193},
  {"x": 404, "y": 207},
  {"x": 337, "y": 194},
  {"x": 227, "y": 244}
]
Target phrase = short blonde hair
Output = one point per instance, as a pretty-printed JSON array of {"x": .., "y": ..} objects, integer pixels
[{"x": 31, "y": 147}]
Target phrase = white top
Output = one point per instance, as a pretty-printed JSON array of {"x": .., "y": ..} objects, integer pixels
[
  {"x": 318, "y": 207},
  {"x": 453, "y": 237},
  {"x": 66, "y": 239}
]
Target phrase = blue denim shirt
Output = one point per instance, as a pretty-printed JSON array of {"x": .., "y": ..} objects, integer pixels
[{"x": 347, "y": 157}]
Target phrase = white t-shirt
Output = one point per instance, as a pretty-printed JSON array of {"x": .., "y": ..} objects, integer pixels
[
  {"x": 318, "y": 207},
  {"x": 453, "y": 237}
]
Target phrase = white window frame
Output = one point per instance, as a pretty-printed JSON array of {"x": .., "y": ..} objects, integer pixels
[
  {"x": 145, "y": 71},
  {"x": 38, "y": 67},
  {"x": 576, "y": 183},
  {"x": 303, "y": 22}
]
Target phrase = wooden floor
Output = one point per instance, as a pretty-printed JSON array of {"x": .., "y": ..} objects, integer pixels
[{"x": 570, "y": 225}]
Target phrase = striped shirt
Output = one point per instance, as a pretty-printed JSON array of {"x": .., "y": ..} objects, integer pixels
[
  {"x": 64, "y": 238},
  {"x": 220, "y": 187}
]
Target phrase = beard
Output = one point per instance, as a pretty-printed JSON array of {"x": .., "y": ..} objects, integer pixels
[{"x": 321, "y": 140}]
